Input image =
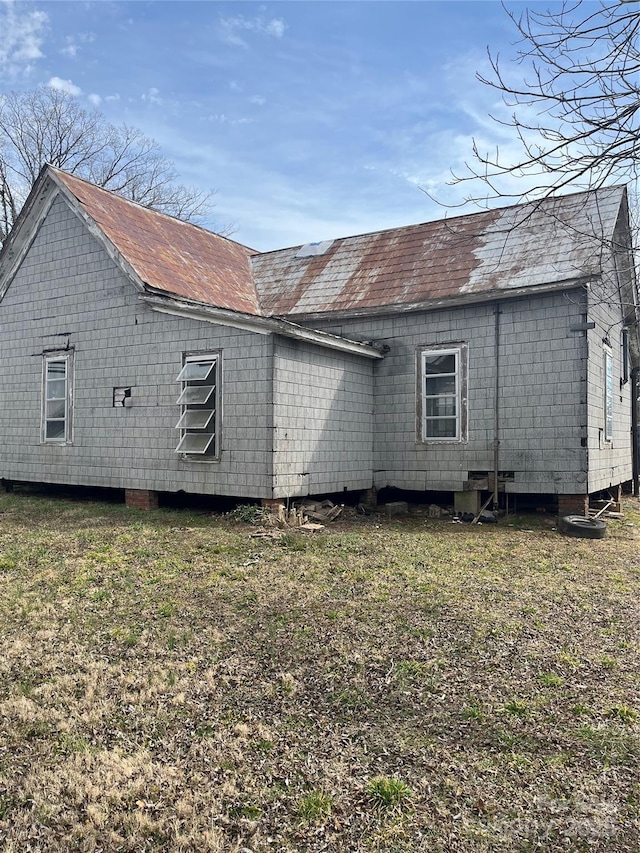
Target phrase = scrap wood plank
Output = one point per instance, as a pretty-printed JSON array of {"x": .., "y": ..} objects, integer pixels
[
  {"x": 604, "y": 509},
  {"x": 482, "y": 509}
]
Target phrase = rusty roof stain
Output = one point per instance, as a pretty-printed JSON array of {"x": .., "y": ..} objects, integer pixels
[
  {"x": 168, "y": 254},
  {"x": 557, "y": 240},
  {"x": 470, "y": 258}
]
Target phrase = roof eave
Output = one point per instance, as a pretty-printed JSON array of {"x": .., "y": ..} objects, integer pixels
[
  {"x": 457, "y": 300},
  {"x": 256, "y": 324}
]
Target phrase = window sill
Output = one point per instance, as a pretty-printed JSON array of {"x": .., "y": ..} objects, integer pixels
[{"x": 428, "y": 442}]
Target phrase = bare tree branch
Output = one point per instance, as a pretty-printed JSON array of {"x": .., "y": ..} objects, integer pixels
[
  {"x": 576, "y": 109},
  {"x": 49, "y": 126}
]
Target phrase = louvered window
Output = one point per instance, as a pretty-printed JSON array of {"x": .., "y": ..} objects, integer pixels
[{"x": 198, "y": 402}]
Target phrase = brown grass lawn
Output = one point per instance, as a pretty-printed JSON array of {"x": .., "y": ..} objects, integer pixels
[{"x": 169, "y": 683}]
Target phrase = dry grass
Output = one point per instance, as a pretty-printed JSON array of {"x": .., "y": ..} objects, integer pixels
[{"x": 170, "y": 683}]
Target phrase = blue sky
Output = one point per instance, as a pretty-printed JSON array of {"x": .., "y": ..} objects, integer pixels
[{"x": 311, "y": 120}]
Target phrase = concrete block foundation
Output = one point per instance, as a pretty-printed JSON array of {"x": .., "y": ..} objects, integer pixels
[{"x": 467, "y": 502}]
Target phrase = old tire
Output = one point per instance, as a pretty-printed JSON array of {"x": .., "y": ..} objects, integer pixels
[{"x": 584, "y": 528}]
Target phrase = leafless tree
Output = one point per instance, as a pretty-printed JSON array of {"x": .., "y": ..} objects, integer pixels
[
  {"x": 576, "y": 105},
  {"x": 50, "y": 126}
]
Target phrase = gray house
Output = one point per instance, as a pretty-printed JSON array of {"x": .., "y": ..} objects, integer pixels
[{"x": 491, "y": 353}]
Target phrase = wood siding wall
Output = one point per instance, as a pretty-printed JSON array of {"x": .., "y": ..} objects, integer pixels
[
  {"x": 69, "y": 292},
  {"x": 323, "y": 420},
  {"x": 542, "y": 399}
]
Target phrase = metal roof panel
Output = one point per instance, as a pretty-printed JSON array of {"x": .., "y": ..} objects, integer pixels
[
  {"x": 534, "y": 244},
  {"x": 553, "y": 240},
  {"x": 168, "y": 254}
]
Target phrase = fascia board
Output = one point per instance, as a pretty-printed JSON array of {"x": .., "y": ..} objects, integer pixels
[
  {"x": 220, "y": 316},
  {"x": 627, "y": 278},
  {"x": 258, "y": 325},
  {"x": 324, "y": 339},
  {"x": 25, "y": 230}
]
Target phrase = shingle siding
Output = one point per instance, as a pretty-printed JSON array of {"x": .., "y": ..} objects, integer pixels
[
  {"x": 323, "y": 433},
  {"x": 609, "y": 461},
  {"x": 542, "y": 401},
  {"x": 68, "y": 284},
  {"x": 298, "y": 418}
]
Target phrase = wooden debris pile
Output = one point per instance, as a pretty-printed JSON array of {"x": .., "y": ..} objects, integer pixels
[
  {"x": 610, "y": 507},
  {"x": 308, "y": 514}
]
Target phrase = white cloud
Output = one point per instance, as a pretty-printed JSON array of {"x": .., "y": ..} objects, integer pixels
[
  {"x": 231, "y": 27},
  {"x": 115, "y": 97},
  {"x": 152, "y": 96},
  {"x": 21, "y": 36},
  {"x": 223, "y": 118},
  {"x": 72, "y": 43},
  {"x": 94, "y": 99},
  {"x": 258, "y": 100},
  {"x": 64, "y": 86},
  {"x": 275, "y": 27}
]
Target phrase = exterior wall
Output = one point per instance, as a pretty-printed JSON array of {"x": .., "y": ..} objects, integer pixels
[
  {"x": 542, "y": 398},
  {"x": 610, "y": 462},
  {"x": 323, "y": 420},
  {"x": 68, "y": 289}
]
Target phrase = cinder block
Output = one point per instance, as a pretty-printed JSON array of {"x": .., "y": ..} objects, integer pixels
[{"x": 396, "y": 508}]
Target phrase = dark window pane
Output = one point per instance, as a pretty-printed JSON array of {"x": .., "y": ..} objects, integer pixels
[
  {"x": 194, "y": 442},
  {"x": 55, "y": 429},
  {"x": 56, "y": 369},
  {"x": 196, "y": 419},
  {"x": 195, "y": 394},
  {"x": 441, "y": 428},
  {"x": 56, "y": 389},
  {"x": 55, "y": 409},
  {"x": 442, "y": 407},
  {"x": 440, "y": 363},
  {"x": 435, "y": 385},
  {"x": 195, "y": 371}
]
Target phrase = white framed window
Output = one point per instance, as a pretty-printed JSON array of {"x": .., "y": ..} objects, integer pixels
[
  {"x": 57, "y": 398},
  {"x": 199, "y": 406},
  {"x": 442, "y": 393},
  {"x": 608, "y": 394}
]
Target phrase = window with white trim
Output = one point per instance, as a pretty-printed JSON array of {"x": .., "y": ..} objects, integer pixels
[
  {"x": 608, "y": 394},
  {"x": 441, "y": 377},
  {"x": 199, "y": 400},
  {"x": 57, "y": 398}
]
